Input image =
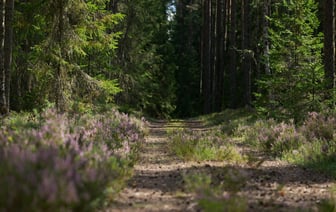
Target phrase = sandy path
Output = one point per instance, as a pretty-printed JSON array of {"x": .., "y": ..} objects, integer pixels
[{"x": 157, "y": 184}]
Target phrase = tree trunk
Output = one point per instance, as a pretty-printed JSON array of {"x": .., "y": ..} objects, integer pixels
[
  {"x": 246, "y": 51},
  {"x": 3, "y": 105},
  {"x": 9, "y": 11},
  {"x": 329, "y": 43},
  {"x": 220, "y": 56},
  {"x": 225, "y": 23},
  {"x": 266, "y": 37},
  {"x": 112, "y": 6},
  {"x": 213, "y": 49},
  {"x": 233, "y": 56},
  {"x": 206, "y": 51}
]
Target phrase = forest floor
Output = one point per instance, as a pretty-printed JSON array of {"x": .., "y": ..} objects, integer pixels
[{"x": 158, "y": 182}]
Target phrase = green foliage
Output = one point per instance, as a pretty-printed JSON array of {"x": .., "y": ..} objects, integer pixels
[
  {"x": 20, "y": 121},
  {"x": 155, "y": 60},
  {"x": 143, "y": 62},
  {"x": 125, "y": 46},
  {"x": 295, "y": 83},
  {"x": 110, "y": 89},
  {"x": 72, "y": 37},
  {"x": 151, "y": 63}
]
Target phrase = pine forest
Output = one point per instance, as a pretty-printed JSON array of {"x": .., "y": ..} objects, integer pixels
[{"x": 170, "y": 105}]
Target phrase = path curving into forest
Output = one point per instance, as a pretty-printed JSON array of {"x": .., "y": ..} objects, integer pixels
[{"x": 158, "y": 185}]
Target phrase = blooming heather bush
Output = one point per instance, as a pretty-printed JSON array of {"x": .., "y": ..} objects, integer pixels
[
  {"x": 64, "y": 163},
  {"x": 285, "y": 138},
  {"x": 320, "y": 126},
  {"x": 319, "y": 152},
  {"x": 251, "y": 133},
  {"x": 275, "y": 138},
  {"x": 120, "y": 132}
]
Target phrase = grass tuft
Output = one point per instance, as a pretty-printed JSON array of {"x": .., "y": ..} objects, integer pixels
[
  {"x": 218, "y": 195},
  {"x": 202, "y": 146}
]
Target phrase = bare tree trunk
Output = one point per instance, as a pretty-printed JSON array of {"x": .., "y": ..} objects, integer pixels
[
  {"x": 266, "y": 37},
  {"x": 206, "y": 51},
  {"x": 233, "y": 56},
  {"x": 3, "y": 105},
  {"x": 220, "y": 56},
  {"x": 246, "y": 51},
  {"x": 213, "y": 49},
  {"x": 329, "y": 43},
  {"x": 8, "y": 46},
  {"x": 226, "y": 19}
]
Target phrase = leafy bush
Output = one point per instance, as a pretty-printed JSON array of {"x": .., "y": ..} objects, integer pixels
[{"x": 65, "y": 163}]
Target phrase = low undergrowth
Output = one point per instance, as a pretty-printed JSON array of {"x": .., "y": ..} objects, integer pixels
[
  {"x": 215, "y": 193},
  {"x": 202, "y": 146},
  {"x": 229, "y": 120},
  {"x": 311, "y": 144},
  {"x": 58, "y": 162},
  {"x": 329, "y": 205},
  {"x": 272, "y": 137}
]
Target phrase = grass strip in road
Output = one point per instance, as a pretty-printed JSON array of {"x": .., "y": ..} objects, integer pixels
[{"x": 202, "y": 146}]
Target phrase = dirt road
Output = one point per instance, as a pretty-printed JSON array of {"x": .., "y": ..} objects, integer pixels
[{"x": 158, "y": 185}]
